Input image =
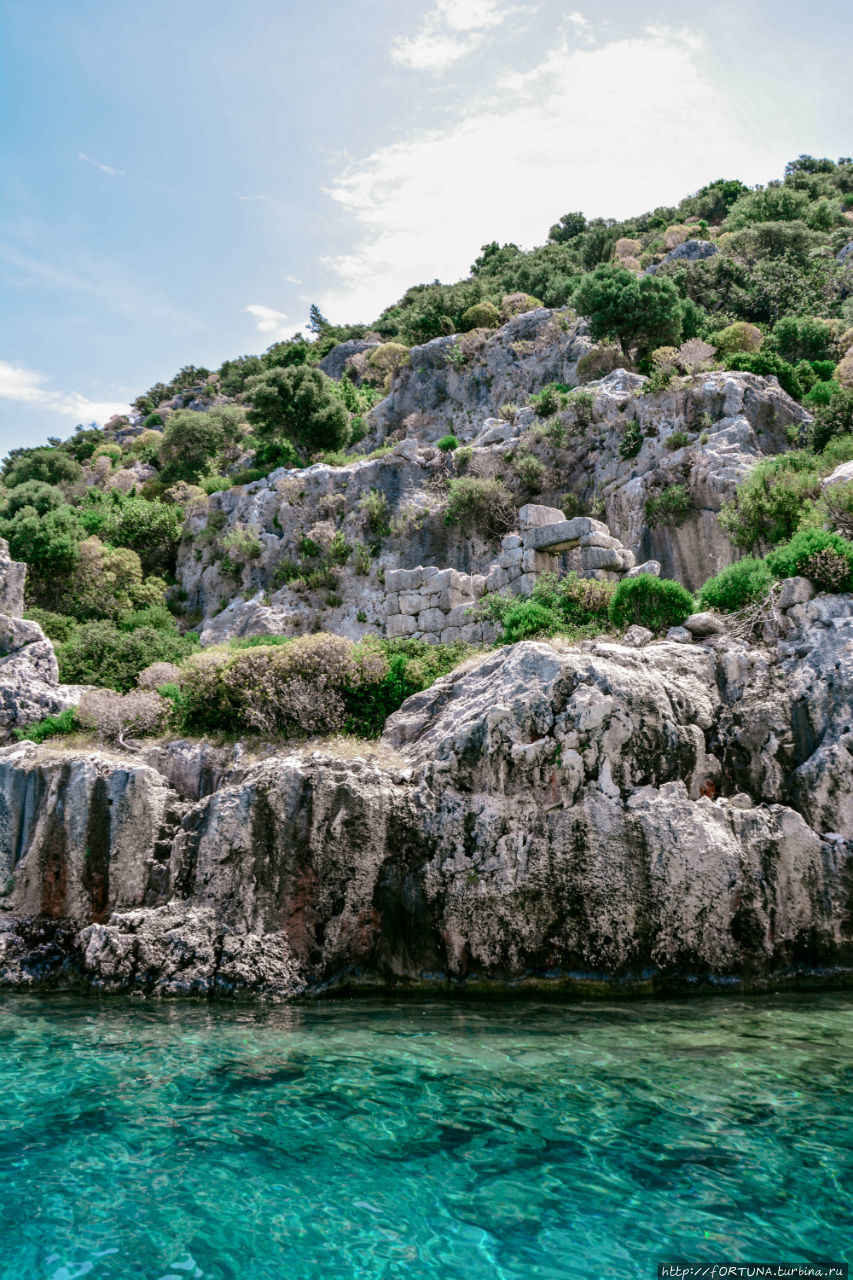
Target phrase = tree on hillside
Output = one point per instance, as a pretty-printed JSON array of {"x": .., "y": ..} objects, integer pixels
[
  {"x": 644, "y": 312},
  {"x": 192, "y": 440},
  {"x": 51, "y": 466},
  {"x": 567, "y": 228},
  {"x": 298, "y": 405}
]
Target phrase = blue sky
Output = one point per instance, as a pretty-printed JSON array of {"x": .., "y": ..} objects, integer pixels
[{"x": 182, "y": 178}]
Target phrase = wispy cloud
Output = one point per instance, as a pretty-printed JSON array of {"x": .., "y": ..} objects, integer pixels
[
  {"x": 571, "y": 133},
  {"x": 102, "y": 279},
  {"x": 104, "y": 168},
  {"x": 254, "y": 199},
  {"x": 449, "y": 31},
  {"x": 27, "y": 386},
  {"x": 271, "y": 323}
]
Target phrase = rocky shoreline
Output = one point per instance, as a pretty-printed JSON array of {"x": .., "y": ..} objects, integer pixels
[{"x": 606, "y": 818}]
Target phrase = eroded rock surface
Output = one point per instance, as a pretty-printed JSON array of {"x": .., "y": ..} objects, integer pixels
[{"x": 604, "y": 817}]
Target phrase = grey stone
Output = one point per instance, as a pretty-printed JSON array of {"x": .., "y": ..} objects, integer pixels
[
  {"x": 600, "y": 558},
  {"x": 401, "y": 624},
  {"x": 637, "y": 636},
  {"x": 334, "y": 362},
  {"x": 411, "y": 602},
  {"x": 680, "y": 635},
  {"x": 704, "y": 624},
  {"x": 795, "y": 591},
  {"x": 532, "y": 516},
  {"x": 844, "y": 253},
  {"x": 690, "y": 250},
  {"x": 563, "y": 535},
  {"x": 510, "y": 542},
  {"x": 651, "y": 567},
  {"x": 431, "y": 620},
  {"x": 12, "y": 577}
]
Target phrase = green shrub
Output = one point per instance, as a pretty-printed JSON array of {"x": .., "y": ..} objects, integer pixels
[
  {"x": 483, "y": 315},
  {"x": 771, "y": 501},
  {"x": 570, "y": 605},
  {"x": 821, "y": 394},
  {"x": 550, "y": 400},
  {"x": 737, "y": 585},
  {"x": 51, "y": 726},
  {"x": 832, "y": 420},
  {"x": 581, "y": 403},
  {"x": 481, "y": 503},
  {"x": 315, "y": 684},
  {"x": 600, "y": 361},
  {"x": 656, "y": 603},
  {"x": 101, "y": 654},
  {"x": 58, "y": 627},
  {"x": 632, "y": 440},
  {"x": 374, "y": 509},
  {"x": 528, "y": 618},
  {"x": 803, "y": 338},
  {"x": 50, "y": 466},
  {"x": 815, "y": 554},
  {"x": 192, "y": 442},
  {"x": 677, "y": 440},
  {"x": 669, "y": 506},
  {"x": 531, "y": 471},
  {"x": 447, "y": 444},
  {"x": 736, "y": 338}
]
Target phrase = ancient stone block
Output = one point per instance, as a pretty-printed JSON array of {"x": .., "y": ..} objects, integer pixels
[
  {"x": 533, "y": 516},
  {"x": 401, "y": 624}
]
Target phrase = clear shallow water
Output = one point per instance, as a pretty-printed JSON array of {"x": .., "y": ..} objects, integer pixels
[{"x": 377, "y": 1140}]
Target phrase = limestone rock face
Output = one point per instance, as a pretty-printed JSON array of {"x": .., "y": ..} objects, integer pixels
[
  {"x": 499, "y": 367},
  {"x": 29, "y": 677},
  {"x": 601, "y": 816},
  {"x": 12, "y": 577},
  {"x": 333, "y": 364}
]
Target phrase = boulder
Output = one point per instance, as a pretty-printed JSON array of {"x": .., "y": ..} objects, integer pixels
[
  {"x": 845, "y": 253},
  {"x": 704, "y": 624},
  {"x": 334, "y": 362},
  {"x": 637, "y": 637},
  {"x": 795, "y": 591},
  {"x": 689, "y": 251}
]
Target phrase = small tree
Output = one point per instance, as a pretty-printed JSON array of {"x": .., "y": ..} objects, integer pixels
[
  {"x": 645, "y": 313},
  {"x": 297, "y": 405},
  {"x": 50, "y": 466},
  {"x": 696, "y": 355},
  {"x": 113, "y": 715},
  {"x": 191, "y": 441},
  {"x": 569, "y": 227}
]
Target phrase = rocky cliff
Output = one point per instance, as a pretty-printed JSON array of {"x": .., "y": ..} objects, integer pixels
[
  {"x": 703, "y": 434},
  {"x": 661, "y": 817}
]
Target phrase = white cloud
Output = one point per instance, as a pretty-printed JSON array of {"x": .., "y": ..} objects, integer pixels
[
  {"x": 578, "y": 20},
  {"x": 268, "y": 321},
  {"x": 450, "y": 31},
  {"x": 612, "y": 130},
  {"x": 104, "y": 168},
  {"x": 28, "y": 386}
]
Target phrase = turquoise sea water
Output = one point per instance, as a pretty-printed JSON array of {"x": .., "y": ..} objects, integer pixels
[{"x": 383, "y": 1139}]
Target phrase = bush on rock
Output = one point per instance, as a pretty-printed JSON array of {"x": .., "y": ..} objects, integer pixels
[{"x": 656, "y": 603}]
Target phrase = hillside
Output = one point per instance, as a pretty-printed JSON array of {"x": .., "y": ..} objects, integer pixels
[{"x": 507, "y": 634}]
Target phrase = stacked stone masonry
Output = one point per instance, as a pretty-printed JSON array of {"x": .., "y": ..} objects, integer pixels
[{"x": 434, "y": 604}]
